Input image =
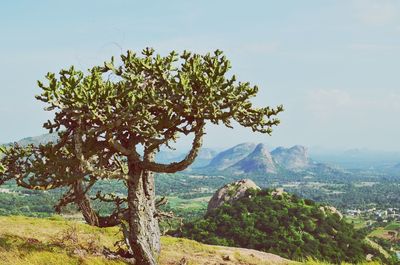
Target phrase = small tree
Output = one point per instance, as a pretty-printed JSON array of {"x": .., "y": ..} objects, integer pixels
[{"x": 105, "y": 117}]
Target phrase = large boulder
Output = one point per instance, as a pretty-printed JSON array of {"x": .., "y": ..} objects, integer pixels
[{"x": 230, "y": 192}]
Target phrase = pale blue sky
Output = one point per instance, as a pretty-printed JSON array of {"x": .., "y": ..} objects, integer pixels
[{"x": 333, "y": 64}]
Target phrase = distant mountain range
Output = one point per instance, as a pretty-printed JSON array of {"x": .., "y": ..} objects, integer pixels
[
  {"x": 251, "y": 158},
  {"x": 248, "y": 158},
  {"x": 258, "y": 161}
]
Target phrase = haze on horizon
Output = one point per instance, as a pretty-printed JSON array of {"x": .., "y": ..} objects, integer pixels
[{"x": 333, "y": 65}]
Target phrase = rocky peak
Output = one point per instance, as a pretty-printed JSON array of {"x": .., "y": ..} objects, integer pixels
[
  {"x": 294, "y": 158},
  {"x": 259, "y": 161},
  {"x": 230, "y": 192},
  {"x": 231, "y": 156},
  {"x": 261, "y": 149}
]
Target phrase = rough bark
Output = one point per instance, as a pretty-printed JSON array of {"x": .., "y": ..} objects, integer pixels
[
  {"x": 91, "y": 216},
  {"x": 83, "y": 202},
  {"x": 144, "y": 232}
]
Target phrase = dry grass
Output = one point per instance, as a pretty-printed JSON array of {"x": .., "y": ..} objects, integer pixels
[
  {"x": 33, "y": 241},
  {"x": 175, "y": 249}
]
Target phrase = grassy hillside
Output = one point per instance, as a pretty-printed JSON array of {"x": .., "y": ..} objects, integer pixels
[
  {"x": 51, "y": 241},
  {"x": 26, "y": 240}
]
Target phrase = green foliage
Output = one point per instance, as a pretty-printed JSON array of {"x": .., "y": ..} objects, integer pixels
[
  {"x": 151, "y": 97},
  {"x": 285, "y": 225},
  {"x": 392, "y": 226}
]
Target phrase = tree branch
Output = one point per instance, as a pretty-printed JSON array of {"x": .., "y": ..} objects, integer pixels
[{"x": 183, "y": 164}]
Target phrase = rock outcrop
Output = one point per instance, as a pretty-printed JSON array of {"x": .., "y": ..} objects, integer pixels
[
  {"x": 331, "y": 210},
  {"x": 230, "y": 192}
]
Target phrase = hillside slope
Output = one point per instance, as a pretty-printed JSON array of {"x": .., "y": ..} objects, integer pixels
[
  {"x": 287, "y": 225},
  {"x": 33, "y": 241}
]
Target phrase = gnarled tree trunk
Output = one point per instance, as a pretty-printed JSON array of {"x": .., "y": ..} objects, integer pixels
[
  {"x": 144, "y": 232},
  {"x": 83, "y": 202},
  {"x": 91, "y": 216}
]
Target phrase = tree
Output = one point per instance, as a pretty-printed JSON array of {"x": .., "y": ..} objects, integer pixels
[{"x": 104, "y": 119}]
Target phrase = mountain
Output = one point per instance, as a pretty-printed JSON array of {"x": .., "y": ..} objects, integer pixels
[
  {"x": 250, "y": 158},
  {"x": 259, "y": 161},
  {"x": 168, "y": 156},
  {"x": 231, "y": 156},
  {"x": 36, "y": 140},
  {"x": 294, "y": 158},
  {"x": 203, "y": 158}
]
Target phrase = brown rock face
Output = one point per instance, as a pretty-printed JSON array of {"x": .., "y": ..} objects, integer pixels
[
  {"x": 230, "y": 192},
  {"x": 331, "y": 210}
]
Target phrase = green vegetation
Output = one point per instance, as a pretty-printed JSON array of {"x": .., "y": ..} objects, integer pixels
[
  {"x": 393, "y": 226},
  {"x": 357, "y": 222},
  {"x": 285, "y": 225}
]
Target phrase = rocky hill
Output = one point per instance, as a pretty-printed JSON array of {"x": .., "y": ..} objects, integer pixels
[
  {"x": 248, "y": 158},
  {"x": 281, "y": 223},
  {"x": 259, "y": 161},
  {"x": 231, "y": 156},
  {"x": 294, "y": 158}
]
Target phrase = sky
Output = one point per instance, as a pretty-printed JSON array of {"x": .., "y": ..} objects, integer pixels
[{"x": 334, "y": 65}]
